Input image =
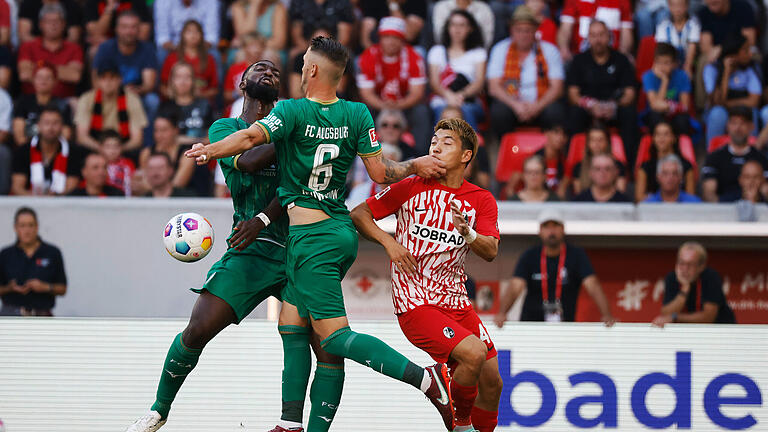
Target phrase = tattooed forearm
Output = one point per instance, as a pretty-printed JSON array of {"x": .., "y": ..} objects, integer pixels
[{"x": 396, "y": 171}]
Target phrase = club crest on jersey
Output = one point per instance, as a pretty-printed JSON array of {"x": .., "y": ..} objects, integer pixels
[
  {"x": 374, "y": 138},
  {"x": 436, "y": 235},
  {"x": 448, "y": 332}
]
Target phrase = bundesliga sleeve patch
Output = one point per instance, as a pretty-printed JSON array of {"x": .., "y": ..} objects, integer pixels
[{"x": 373, "y": 137}]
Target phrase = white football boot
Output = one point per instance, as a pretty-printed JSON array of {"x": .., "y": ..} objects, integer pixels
[{"x": 149, "y": 423}]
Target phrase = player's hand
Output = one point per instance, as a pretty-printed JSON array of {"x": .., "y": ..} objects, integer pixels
[
  {"x": 661, "y": 320},
  {"x": 459, "y": 222},
  {"x": 402, "y": 258},
  {"x": 429, "y": 167},
  {"x": 499, "y": 319},
  {"x": 199, "y": 152},
  {"x": 246, "y": 233}
]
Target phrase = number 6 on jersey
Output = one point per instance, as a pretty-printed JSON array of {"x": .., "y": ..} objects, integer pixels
[{"x": 318, "y": 167}]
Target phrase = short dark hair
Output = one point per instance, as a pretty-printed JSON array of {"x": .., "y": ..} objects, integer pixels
[
  {"x": 740, "y": 111},
  {"x": 110, "y": 133},
  {"x": 467, "y": 135},
  {"x": 50, "y": 108},
  {"x": 551, "y": 126},
  {"x": 169, "y": 115},
  {"x": 664, "y": 49},
  {"x": 22, "y": 211},
  {"x": 128, "y": 13},
  {"x": 162, "y": 155},
  {"x": 332, "y": 50}
]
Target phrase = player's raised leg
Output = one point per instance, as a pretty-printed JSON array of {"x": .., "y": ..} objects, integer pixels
[{"x": 210, "y": 316}]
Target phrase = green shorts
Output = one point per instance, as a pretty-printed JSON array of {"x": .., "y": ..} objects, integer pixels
[
  {"x": 244, "y": 280},
  {"x": 319, "y": 255}
]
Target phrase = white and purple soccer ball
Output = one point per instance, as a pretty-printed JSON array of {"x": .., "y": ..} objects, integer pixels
[{"x": 188, "y": 237}]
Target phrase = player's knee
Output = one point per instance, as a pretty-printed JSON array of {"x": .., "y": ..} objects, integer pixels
[
  {"x": 195, "y": 336},
  {"x": 491, "y": 385},
  {"x": 474, "y": 353}
]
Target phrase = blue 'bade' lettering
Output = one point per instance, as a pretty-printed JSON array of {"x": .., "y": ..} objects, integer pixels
[
  {"x": 680, "y": 383},
  {"x": 713, "y": 400}
]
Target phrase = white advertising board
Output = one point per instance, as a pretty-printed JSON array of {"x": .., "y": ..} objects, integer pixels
[{"x": 99, "y": 375}]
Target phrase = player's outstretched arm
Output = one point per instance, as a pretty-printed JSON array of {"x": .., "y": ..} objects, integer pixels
[
  {"x": 386, "y": 171},
  {"x": 235, "y": 143},
  {"x": 257, "y": 158},
  {"x": 362, "y": 217}
]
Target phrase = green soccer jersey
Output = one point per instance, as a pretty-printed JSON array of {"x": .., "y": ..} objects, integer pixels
[
  {"x": 251, "y": 193},
  {"x": 316, "y": 145}
]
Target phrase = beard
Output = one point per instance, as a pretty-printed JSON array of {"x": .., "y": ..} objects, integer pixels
[{"x": 264, "y": 93}]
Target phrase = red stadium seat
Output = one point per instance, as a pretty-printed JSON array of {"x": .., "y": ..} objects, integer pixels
[
  {"x": 721, "y": 140},
  {"x": 686, "y": 150},
  {"x": 514, "y": 149},
  {"x": 577, "y": 148},
  {"x": 644, "y": 60}
]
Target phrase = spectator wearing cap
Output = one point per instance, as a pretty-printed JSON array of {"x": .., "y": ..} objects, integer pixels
[
  {"x": 109, "y": 106},
  {"x": 721, "y": 18},
  {"x": 669, "y": 176},
  {"x": 752, "y": 184},
  {"x": 170, "y": 17},
  {"x": 552, "y": 275},
  {"x": 51, "y": 48},
  {"x": 576, "y": 23},
  {"x": 94, "y": 173},
  {"x": 133, "y": 57},
  {"x": 693, "y": 292},
  {"x": 26, "y": 110},
  {"x": 392, "y": 75},
  {"x": 101, "y": 19},
  {"x": 48, "y": 164},
  {"x": 457, "y": 68},
  {"x": 601, "y": 87},
  {"x": 308, "y": 15},
  {"x": 30, "y": 25},
  {"x": 525, "y": 77},
  {"x": 722, "y": 167},
  {"x": 603, "y": 173},
  {"x": 734, "y": 80},
  {"x": 31, "y": 270},
  {"x": 414, "y": 12},
  {"x": 479, "y": 10}
]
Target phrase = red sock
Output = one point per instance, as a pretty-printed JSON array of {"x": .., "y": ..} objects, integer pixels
[
  {"x": 482, "y": 420},
  {"x": 463, "y": 400}
]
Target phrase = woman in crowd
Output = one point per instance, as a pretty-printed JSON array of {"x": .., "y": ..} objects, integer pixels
[
  {"x": 193, "y": 113},
  {"x": 664, "y": 143},
  {"x": 598, "y": 141},
  {"x": 457, "y": 68},
  {"x": 267, "y": 17},
  {"x": 192, "y": 50},
  {"x": 534, "y": 182}
]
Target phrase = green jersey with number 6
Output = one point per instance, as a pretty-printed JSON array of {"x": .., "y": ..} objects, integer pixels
[{"x": 316, "y": 145}]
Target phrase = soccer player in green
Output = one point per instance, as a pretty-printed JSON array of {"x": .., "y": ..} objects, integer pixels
[
  {"x": 252, "y": 269},
  {"x": 317, "y": 139}
]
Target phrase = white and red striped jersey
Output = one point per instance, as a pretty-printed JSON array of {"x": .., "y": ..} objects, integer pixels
[
  {"x": 425, "y": 228},
  {"x": 616, "y": 14}
]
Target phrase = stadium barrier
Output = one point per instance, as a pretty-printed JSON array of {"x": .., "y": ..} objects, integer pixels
[
  {"x": 117, "y": 266},
  {"x": 89, "y": 375}
]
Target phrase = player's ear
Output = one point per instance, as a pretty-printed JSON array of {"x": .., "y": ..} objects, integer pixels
[
  {"x": 241, "y": 86},
  {"x": 313, "y": 70},
  {"x": 466, "y": 156}
]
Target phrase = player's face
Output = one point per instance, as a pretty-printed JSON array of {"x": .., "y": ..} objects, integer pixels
[
  {"x": 446, "y": 146},
  {"x": 551, "y": 233},
  {"x": 26, "y": 228},
  {"x": 265, "y": 73}
]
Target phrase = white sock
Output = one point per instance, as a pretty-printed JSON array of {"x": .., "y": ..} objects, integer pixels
[
  {"x": 285, "y": 424},
  {"x": 426, "y": 381}
]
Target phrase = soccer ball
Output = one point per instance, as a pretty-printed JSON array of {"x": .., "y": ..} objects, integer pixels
[{"x": 188, "y": 237}]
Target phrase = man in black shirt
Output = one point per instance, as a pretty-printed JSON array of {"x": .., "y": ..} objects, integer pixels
[
  {"x": 718, "y": 19},
  {"x": 95, "y": 179},
  {"x": 27, "y": 108},
  {"x": 721, "y": 170},
  {"x": 693, "y": 293},
  {"x": 603, "y": 172},
  {"x": 601, "y": 87},
  {"x": 31, "y": 271},
  {"x": 563, "y": 268}
]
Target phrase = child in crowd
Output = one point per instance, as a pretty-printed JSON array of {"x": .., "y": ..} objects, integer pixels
[
  {"x": 682, "y": 31},
  {"x": 120, "y": 169},
  {"x": 668, "y": 89}
]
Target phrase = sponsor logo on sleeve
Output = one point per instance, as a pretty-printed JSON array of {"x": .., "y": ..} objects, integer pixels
[{"x": 374, "y": 138}]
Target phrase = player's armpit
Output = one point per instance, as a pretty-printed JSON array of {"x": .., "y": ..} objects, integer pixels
[{"x": 256, "y": 159}]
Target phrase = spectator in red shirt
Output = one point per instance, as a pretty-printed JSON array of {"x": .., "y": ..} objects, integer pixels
[
  {"x": 120, "y": 169},
  {"x": 192, "y": 49},
  {"x": 547, "y": 31},
  {"x": 51, "y": 48},
  {"x": 392, "y": 75},
  {"x": 253, "y": 46},
  {"x": 5, "y": 24},
  {"x": 577, "y": 16}
]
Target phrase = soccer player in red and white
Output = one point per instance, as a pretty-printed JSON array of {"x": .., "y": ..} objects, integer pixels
[{"x": 438, "y": 222}]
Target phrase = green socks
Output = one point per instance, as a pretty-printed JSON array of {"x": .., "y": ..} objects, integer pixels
[
  {"x": 179, "y": 362},
  {"x": 325, "y": 395},
  {"x": 372, "y": 352},
  {"x": 297, "y": 363}
]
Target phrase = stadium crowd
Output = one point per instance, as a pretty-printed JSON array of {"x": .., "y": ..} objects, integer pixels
[{"x": 581, "y": 100}]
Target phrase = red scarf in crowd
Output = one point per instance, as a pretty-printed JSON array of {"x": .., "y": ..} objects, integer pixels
[
  {"x": 37, "y": 170},
  {"x": 97, "y": 119}
]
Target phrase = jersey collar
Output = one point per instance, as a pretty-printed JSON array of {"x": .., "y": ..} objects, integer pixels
[{"x": 329, "y": 102}]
